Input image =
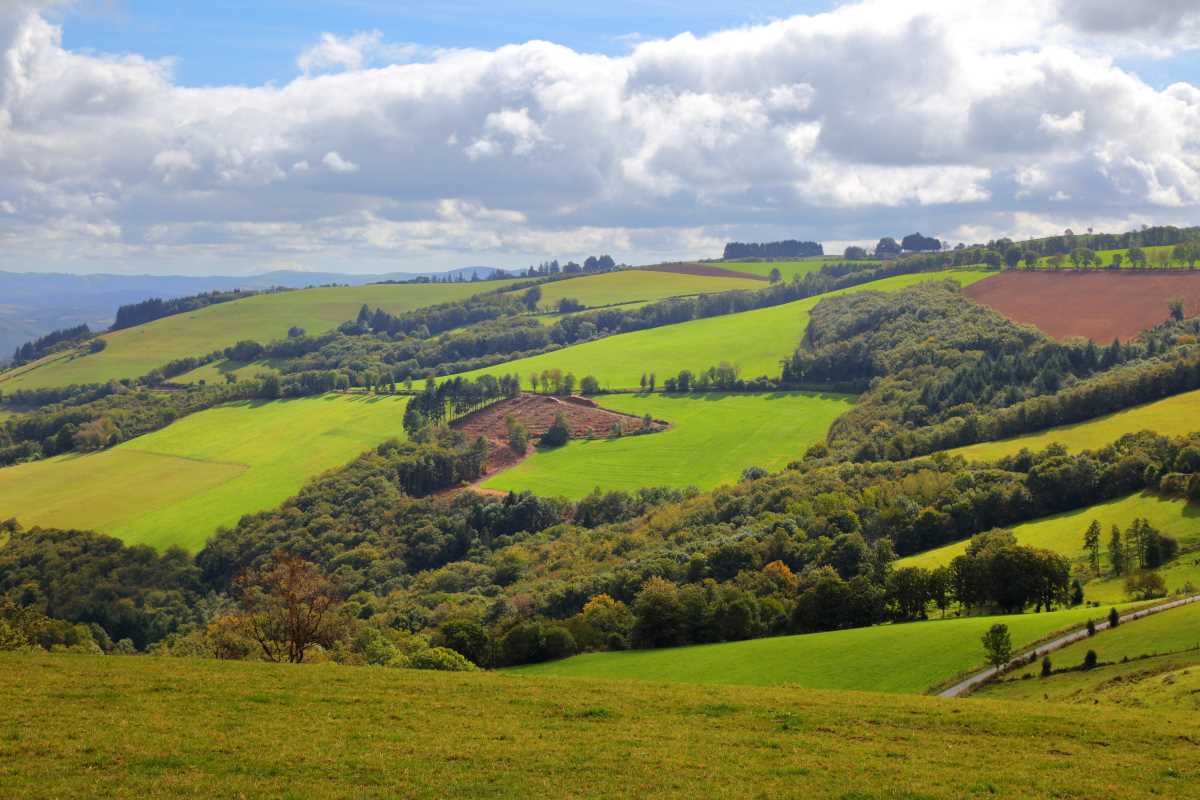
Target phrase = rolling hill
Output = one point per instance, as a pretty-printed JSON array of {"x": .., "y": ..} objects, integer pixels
[
  {"x": 638, "y": 286},
  {"x": 133, "y": 352},
  {"x": 177, "y": 485},
  {"x": 756, "y": 341},
  {"x": 733, "y": 431}
]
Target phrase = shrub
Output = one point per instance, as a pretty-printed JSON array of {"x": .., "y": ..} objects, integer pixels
[
  {"x": 1047, "y": 667},
  {"x": 1114, "y": 619},
  {"x": 98, "y": 345},
  {"x": 557, "y": 434},
  {"x": 1091, "y": 628},
  {"x": 1089, "y": 660},
  {"x": 441, "y": 658}
]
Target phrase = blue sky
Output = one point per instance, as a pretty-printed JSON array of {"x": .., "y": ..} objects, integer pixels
[{"x": 221, "y": 42}]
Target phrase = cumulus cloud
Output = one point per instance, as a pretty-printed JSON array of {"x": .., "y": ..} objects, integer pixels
[{"x": 953, "y": 117}]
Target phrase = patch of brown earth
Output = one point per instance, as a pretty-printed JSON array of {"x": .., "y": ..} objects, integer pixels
[{"x": 1098, "y": 305}]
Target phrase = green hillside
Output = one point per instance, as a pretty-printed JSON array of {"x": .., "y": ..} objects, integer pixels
[
  {"x": 1106, "y": 257},
  {"x": 135, "y": 351},
  {"x": 629, "y": 286},
  {"x": 155, "y": 728},
  {"x": 1063, "y": 533},
  {"x": 787, "y": 269},
  {"x": 887, "y": 658},
  {"x": 756, "y": 341},
  {"x": 177, "y": 485},
  {"x": 732, "y": 431},
  {"x": 1168, "y": 417}
]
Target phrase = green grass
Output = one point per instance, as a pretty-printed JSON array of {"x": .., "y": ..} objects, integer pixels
[
  {"x": 628, "y": 286},
  {"x": 1169, "y": 417},
  {"x": 1168, "y": 682},
  {"x": 787, "y": 269},
  {"x": 131, "y": 727},
  {"x": 885, "y": 658},
  {"x": 1106, "y": 257},
  {"x": 176, "y": 485},
  {"x": 133, "y": 352},
  {"x": 1063, "y": 533},
  {"x": 712, "y": 439},
  {"x": 754, "y": 340}
]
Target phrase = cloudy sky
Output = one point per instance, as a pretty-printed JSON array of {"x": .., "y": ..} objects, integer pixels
[{"x": 353, "y": 136}]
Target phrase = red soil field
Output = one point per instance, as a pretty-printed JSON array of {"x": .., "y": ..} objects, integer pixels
[
  {"x": 705, "y": 269},
  {"x": 537, "y": 412},
  {"x": 1098, "y": 305}
]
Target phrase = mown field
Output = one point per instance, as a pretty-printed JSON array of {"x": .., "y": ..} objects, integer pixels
[
  {"x": 156, "y": 728},
  {"x": 756, "y": 341},
  {"x": 177, "y": 485},
  {"x": 887, "y": 658},
  {"x": 712, "y": 438},
  {"x": 787, "y": 269},
  {"x": 1168, "y": 417},
  {"x": 629, "y": 286},
  {"x": 133, "y": 352},
  {"x": 1172, "y": 638},
  {"x": 1063, "y": 533}
]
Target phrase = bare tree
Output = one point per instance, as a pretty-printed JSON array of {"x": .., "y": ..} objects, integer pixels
[{"x": 288, "y": 609}]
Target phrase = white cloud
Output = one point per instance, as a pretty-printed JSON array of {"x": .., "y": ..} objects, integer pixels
[{"x": 830, "y": 127}]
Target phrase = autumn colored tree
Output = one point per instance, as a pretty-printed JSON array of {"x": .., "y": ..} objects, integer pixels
[{"x": 288, "y": 609}]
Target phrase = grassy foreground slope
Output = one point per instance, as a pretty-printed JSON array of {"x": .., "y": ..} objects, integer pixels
[
  {"x": 638, "y": 286},
  {"x": 1168, "y": 417},
  {"x": 135, "y": 351},
  {"x": 712, "y": 439},
  {"x": 148, "y": 727},
  {"x": 177, "y": 485},
  {"x": 756, "y": 341},
  {"x": 886, "y": 658}
]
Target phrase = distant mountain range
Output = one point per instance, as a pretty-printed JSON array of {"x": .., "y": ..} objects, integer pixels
[{"x": 33, "y": 304}]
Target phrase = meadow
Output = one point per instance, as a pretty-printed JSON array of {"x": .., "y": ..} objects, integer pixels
[
  {"x": 1153, "y": 254},
  {"x": 1063, "y": 533},
  {"x": 756, "y": 341},
  {"x": 913, "y": 657},
  {"x": 116, "y": 726},
  {"x": 787, "y": 269},
  {"x": 1171, "y": 416},
  {"x": 1171, "y": 638},
  {"x": 133, "y": 352},
  {"x": 175, "y": 486},
  {"x": 638, "y": 286},
  {"x": 732, "y": 431}
]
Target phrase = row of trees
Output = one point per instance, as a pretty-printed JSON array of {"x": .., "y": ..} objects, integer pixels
[
  {"x": 1141, "y": 546},
  {"x": 444, "y": 402},
  {"x": 51, "y": 343},
  {"x": 789, "y": 248}
]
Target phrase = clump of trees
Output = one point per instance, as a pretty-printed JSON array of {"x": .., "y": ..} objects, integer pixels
[
  {"x": 445, "y": 402},
  {"x": 52, "y": 342},
  {"x": 789, "y": 248},
  {"x": 157, "y": 308}
]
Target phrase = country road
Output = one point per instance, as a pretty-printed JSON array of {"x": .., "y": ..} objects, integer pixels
[{"x": 969, "y": 683}]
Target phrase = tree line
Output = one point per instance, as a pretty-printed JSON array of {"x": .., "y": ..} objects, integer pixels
[
  {"x": 52, "y": 342},
  {"x": 789, "y": 248}
]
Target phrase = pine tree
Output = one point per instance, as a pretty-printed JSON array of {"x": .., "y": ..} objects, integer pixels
[
  {"x": 1091, "y": 543},
  {"x": 1116, "y": 553}
]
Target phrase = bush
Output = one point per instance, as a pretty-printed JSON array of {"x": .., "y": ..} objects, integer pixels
[
  {"x": 1089, "y": 660},
  {"x": 1047, "y": 667},
  {"x": 557, "y": 434},
  {"x": 1114, "y": 619},
  {"x": 589, "y": 385},
  {"x": 557, "y": 642},
  {"x": 98, "y": 345},
  {"x": 441, "y": 658},
  {"x": 1091, "y": 628}
]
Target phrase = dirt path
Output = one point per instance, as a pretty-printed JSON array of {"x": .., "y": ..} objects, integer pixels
[{"x": 967, "y": 684}]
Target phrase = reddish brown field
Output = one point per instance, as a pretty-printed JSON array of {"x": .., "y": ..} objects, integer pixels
[
  {"x": 537, "y": 412},
  {"x": 688, "y": 268},
  {"x": 1099, "y": 305}
]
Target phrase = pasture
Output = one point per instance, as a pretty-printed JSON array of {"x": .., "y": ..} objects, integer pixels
[
  {"x": 913, "y": 657},
  {"x": 640, "y": 286},
  {"x": 1171, "y": 416},
  {"x": 159, "y": 727},
  {"x": 175, "y": 486},
  {"x": 1157, "y": 257},
  {"x": 1100, "y": 306},
  {"x": 133, "y": 352},
  {"x": 787, "y": 269},
  {"x": 755, "y": 341},
  {"x": 1063, "y": 533},
  {"x": 713, "y": 437}
]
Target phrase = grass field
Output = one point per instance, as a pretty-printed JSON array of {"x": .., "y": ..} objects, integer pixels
[
  {"x": 787, "y": 269},
  {"x": 885, "y": 658},
  {"x": 176, "y": 485},
  {"x": 1169, "y": 417},
  {"x": 731, "y": 432},
  {"x": 1173, "y": 637},
  {"x": 1063, "y": 533},
  {"x": 1162, "y": 682},
  {"x": 133, "y": 352},
  {"x": 77, "y": 726},
  {"x": 754, "y": 340},
  {"x": 628, "y": 286},
  {"x": 1106, "y": 257}
]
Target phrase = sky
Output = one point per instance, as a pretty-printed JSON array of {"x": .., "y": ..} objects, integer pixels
[{"x": 371, "y": 136}]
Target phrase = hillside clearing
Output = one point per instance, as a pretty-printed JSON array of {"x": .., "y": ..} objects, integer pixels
[
  {"x": 133, "y": 352},
  {"x": 731, "y": 431},
  {"x": 1170, "y": 416},
  {"x": 160, "y": 727},
  {"x": 1100, "y": 306},
  {"x": 887, "y": 658},
  {"x": 756, "y": 341},
  {"x": 177, "y": 485},
  {"x": 629, "y": 286}
]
